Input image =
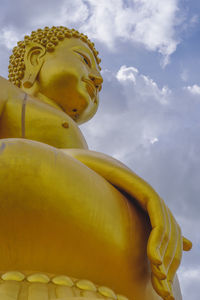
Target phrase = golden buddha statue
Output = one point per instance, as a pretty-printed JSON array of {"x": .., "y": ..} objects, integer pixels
[{"x": 73, "y": 222}]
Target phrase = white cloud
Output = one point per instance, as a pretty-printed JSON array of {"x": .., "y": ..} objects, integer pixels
[
  {"x": 145, "y": 87},
  {"x": 75, "y": 11},
  {"x": 148, "y": 22},
  {"x": 69, "y": 13},
  {"x": 184, "y": 75},
  {"x": 194, "y": 89},
  {"x": 194, "y": 20},
  {"x": 127, "y": 73},
  {"x": 133, "y": 105},
  {"x": 154, "y": 140},
  {"x": 9, "y": 37},
  {"x": 190, "y": 274},
  {"x": 189, "y": 278}
]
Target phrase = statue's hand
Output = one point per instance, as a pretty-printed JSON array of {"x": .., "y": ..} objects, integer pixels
[
  {"x": 164, "y": 248},
  {"x": 165, "y": 243}
]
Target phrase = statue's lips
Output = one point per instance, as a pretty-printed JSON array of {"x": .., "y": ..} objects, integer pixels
[{"x": 90, "y": 88}]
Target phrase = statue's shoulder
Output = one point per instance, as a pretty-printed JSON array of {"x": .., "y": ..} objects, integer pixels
[
  {"x": 9, "y": 94},
  {"x": 4, "y": 87},
  {"x": 4, "y": 92},
  {"x": 8, "y": 90}
]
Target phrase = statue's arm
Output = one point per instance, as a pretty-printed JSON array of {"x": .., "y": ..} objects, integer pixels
[
  {"x": 9, "y": 92},
  {"x": 165, "y": 242},
  {"x": 4, "y": 92}
]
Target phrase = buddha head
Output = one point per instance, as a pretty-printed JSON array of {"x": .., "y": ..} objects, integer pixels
[{"x": 61, "y": 67}]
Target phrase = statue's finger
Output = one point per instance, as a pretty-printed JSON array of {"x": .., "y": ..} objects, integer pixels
[
  {"x": 187, "y": 244},
  {"x": 170, "y": 251},
  {"x": 167, "y": 230},
  {"x": 159, "y": 271},
  {"x": 158, "y": 223},
  {"x": 177, "y": 258},
  {"x": 162, "y": 287},
  {"x": 155, "y": 239}
]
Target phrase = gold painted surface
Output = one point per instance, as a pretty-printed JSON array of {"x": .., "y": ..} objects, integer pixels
[
  {"x": 65, "y": 209},
  {"x": 26, "y": 117},
  {"x": 60, "y": 228},
  {"x": 51, "y": 288}
]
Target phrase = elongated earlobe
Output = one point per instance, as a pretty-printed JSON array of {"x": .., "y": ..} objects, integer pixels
[{"x": 34, "y": 59}]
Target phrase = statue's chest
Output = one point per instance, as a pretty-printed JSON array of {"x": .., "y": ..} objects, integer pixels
[{"x": 29, "y": 119}]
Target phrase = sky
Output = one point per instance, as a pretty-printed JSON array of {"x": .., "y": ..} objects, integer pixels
[{"x": 149, "y": 110}]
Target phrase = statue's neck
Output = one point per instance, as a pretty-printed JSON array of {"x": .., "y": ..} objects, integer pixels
[
  {"x": 44, "y": 99},
  {"x": 35, "y": 92}
]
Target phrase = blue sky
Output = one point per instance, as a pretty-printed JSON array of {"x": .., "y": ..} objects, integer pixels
[{"x": 150, "y": 103}]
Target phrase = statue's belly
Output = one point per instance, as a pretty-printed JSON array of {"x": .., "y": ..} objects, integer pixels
[{"x": 58, "y": 216}]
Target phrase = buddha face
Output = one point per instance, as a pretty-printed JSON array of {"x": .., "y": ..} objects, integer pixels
[{"x": 70, "y": 76}]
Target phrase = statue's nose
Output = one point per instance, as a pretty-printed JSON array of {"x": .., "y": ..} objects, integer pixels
[{"x": 96, "y": 77}]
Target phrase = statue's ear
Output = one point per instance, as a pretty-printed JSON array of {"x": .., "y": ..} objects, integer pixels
[{"x": 33, "y": 59}]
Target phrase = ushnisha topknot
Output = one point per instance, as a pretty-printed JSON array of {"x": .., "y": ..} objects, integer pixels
[{"x": 47, "y": 37}]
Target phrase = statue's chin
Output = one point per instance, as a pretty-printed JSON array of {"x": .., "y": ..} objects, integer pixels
[
  {"x": 90, "y": 107},
  {"x": 87, "y": 114}
]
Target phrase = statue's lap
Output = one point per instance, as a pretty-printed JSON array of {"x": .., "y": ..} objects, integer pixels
[{"x": 64, "y": 218}]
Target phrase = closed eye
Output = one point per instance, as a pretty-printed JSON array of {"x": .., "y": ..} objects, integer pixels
[
  {"x": 85, "y": 58},
  {"x": 86, "y": 61}
]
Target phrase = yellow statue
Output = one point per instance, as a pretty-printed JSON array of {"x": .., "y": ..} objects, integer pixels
[{"x": 73, "y": 222}]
